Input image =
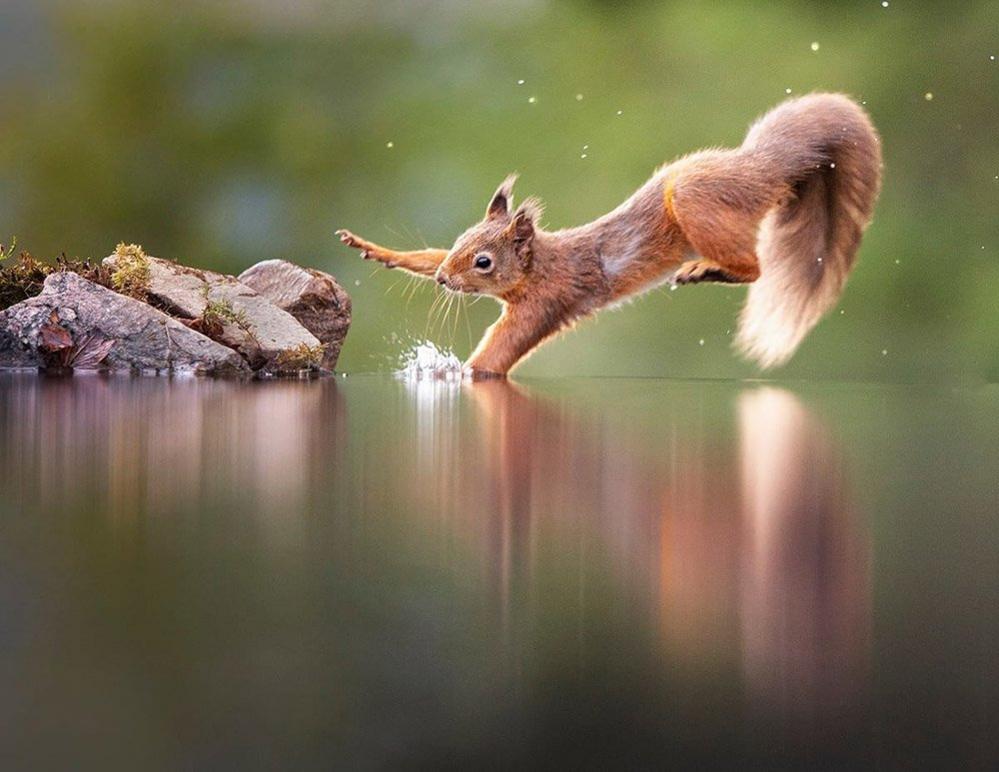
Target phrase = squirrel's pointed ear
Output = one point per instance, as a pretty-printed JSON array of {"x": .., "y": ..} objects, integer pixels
[
  {"x": 522, "y": 229},
  {"x": 500, "y": 204}
]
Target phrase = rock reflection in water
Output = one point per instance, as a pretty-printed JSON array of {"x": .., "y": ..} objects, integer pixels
[{"x": 133, "y": 446}]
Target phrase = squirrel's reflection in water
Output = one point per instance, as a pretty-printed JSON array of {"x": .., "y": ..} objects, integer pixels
[{"x": 747, "y": 549}]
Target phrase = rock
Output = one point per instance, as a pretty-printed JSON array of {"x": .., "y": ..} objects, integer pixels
[
  {"x": 231, "y": 312},
  {"x": 314, "y": 298},
  {"x": 77, "y": 323}
]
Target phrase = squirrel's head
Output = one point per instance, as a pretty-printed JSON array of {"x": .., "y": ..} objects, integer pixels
[{"x": 494, "y": 256}]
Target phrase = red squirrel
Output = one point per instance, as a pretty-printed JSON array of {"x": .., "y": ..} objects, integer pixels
[{"x": 784, "y": 212}]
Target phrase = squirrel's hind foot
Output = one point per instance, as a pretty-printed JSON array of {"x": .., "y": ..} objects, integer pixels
[{"x": 700, "y": 271}]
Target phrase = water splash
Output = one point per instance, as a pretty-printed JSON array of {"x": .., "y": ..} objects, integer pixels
[{"x": 425, "y": 362}]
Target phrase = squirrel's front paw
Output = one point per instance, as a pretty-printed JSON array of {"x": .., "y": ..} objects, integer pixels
[
  {"x": 472, "y": 373},
  {"x": 369, "y": 251},
  {"x": 356, "y": 242}
]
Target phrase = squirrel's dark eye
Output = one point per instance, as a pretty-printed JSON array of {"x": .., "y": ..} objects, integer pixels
[{"x": 483, "y": 262}]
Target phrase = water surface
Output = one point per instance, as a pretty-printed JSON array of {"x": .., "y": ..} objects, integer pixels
[{"x": 363, "y": 572}]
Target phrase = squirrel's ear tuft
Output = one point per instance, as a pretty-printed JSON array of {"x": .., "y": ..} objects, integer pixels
[
  {"x": 500, "y": 204},
  {"x": 525, "y": 220}
]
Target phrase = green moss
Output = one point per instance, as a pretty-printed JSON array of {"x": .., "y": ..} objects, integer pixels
[
  {"x": 302, "y": 357},
  {"x": 98, "y": 273},
  {"x": 217, "y": 314},
  {"x": 21, "y": 277},
  {"x": 8, "y": 252},
  {"x": 220, "y": 312},
  {"x": 131, "y": 271}
]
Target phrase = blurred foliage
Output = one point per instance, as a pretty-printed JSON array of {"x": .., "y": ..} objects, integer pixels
[{"x": 220, "y": 134}]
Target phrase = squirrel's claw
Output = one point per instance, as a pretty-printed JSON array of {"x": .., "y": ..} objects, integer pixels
[
  {"x": 366, "y": 247},
  {"x": 351, "y": 240},
  {"x": 369, "y": 251}
]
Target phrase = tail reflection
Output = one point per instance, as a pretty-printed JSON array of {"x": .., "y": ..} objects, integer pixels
[{"x": 805, "y": 589}]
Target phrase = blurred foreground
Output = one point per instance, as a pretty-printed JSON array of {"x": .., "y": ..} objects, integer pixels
[{"x": 365, "y": 572}]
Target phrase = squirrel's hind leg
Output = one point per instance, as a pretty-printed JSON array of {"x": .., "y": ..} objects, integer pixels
[
  {"x": 743, "y": 271},
  {"x": 718, "y": 206}
]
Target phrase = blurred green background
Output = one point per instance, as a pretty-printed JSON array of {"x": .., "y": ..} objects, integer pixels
[{"x": 223, "y": 133}]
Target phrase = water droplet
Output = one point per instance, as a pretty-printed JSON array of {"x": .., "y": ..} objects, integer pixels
[
  {"x": 583, "y": 155},
  {"x": 787, "y": 91},
  {"x": 357, "y": 282},
  {"x": 815, "y": 46},
  {"x": 898, "y": 262},
  {"x": 700, "y": 342},
  {"x": 620, "y": 112},
  {"x": 884, "y": 3},
  {"x": 884, "y": 352},
  {"x": 586, "y": 147},
  {"x": 520, "y": 82},
  {"x": 928, "y": 96},
  {"x": 579, "y": 97},
  {"x": 532, "y": 99},
  {"x": 390, "y": 145}
]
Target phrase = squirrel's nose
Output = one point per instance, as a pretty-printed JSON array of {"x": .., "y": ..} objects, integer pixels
[{"x": 441, "y": 279}]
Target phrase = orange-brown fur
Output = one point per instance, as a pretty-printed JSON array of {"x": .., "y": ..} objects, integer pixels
[{"x": 785, "y": 212}]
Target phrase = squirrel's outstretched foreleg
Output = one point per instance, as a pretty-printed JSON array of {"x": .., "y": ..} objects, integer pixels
[{"x": 422, "y": 262}]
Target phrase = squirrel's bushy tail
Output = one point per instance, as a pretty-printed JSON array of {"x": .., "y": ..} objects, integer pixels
[{"x": 826, "y": 152}]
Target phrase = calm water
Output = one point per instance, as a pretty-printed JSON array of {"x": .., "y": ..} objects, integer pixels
[{"x": 604, "y": 573}]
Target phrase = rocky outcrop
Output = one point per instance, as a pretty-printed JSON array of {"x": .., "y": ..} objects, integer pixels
[
  {"x": 76, "y": 323},
  {"x": 314, "y": 298},
  {"x": 140, "y": 313},
  {"x": 228, "y": 310}
]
